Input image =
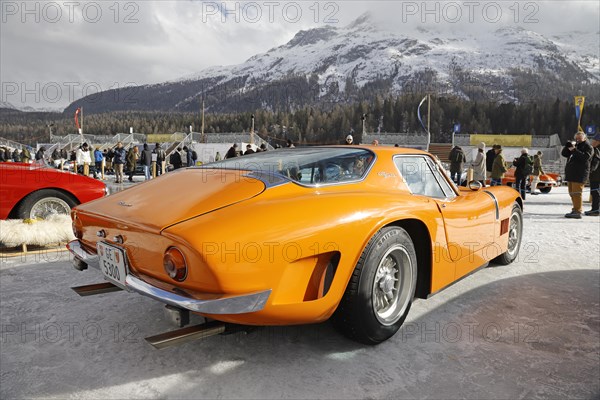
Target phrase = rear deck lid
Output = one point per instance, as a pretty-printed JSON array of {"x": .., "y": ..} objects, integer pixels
[{"x": 176, "y": 197}]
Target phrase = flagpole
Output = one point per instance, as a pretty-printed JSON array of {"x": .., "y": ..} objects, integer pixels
[
  {"x": 202, "y": 125},
  {"x": 428, "y": 120},
  {"x": 81, "y": 124}
]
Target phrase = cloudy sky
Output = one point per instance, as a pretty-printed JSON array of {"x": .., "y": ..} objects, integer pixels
[{"x": 53, "y": 52}]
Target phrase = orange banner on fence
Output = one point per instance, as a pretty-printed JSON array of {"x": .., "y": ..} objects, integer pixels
[{"x": 503, "y": 140}]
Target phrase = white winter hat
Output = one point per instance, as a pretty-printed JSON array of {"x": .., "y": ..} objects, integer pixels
[
  {"x": 481, "y": 146},
  {"x": 349, "y": 138},
  {"x": 524, "y": 150}
]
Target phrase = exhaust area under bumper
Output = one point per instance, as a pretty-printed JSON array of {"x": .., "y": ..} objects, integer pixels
[{"x": 209, "y": 303}]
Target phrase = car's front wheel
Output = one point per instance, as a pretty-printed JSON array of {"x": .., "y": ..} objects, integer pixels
[
  {"x": 381, "y": 289},
  {"x": 44, "y": 203}
]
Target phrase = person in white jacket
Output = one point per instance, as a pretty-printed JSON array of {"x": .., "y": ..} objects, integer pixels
[
  {"x": 84, "y": 157},
  {"x": 479, "y": 164}
]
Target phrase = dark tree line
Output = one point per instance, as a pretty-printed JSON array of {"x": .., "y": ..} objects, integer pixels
[{"x": 322, "y": 125}]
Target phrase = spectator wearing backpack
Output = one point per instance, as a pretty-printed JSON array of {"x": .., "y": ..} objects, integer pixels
[
  {"x": 161, "y": 157},
  {"x": 578, "y": 154},
  {"x": 457, "y": 161},
  {"x": 524, "y": 166},
  {"x": 595, "y": 177},
  {"x": 537, "y": 171}
]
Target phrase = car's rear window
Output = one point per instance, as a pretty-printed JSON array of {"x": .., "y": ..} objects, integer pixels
[{"x": 308, "y": 166}]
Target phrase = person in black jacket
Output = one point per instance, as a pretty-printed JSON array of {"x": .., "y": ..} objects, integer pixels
[
  {"x": 524, "y": 166},
  {"x": 119, "y": 159},
  {"x": 146, "y": 161},
  {"x": 578, "y": 154},
  {"x": 595, "y": 178},
  {"x": 189, "y": 160},
  {"x": 40, "y": 155},
  {"x": 232, "y": 152},
  {"x": 489, "y": 161},
  {"x": 457, "y": 161},
  {"x": 175, "y": 158}
]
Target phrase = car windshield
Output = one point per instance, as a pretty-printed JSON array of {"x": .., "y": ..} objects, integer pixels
[{"x": 308, "y": 166}]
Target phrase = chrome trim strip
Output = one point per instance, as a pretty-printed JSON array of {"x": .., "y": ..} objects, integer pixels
[
  {"x": 217, "y": 304},
  {"x": 227, "y": 304},
  {"x": 495, "y": 203},
  {"x": 269, "y": 179}
]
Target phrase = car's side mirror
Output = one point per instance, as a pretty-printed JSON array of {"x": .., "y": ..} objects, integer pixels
[{"x": 474, "y": 185}]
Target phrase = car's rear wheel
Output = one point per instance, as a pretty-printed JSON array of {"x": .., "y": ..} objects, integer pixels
[
  {"x": 515, "y": 234},
  {"x": 546, "y": 189},
  {"x": 381, "y": 289},
  {"x": 44, "y": 203}
]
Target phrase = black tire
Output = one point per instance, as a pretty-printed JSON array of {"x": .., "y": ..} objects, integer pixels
[
  {"x": 43, "y": 203},
  {"x": 515, "y": 235},
  {"x": 546, "y": 189},
  {"x": 386, "y": 270}
]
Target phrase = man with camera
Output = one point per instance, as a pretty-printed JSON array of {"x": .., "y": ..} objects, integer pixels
[{"x": 578, "y": 154}]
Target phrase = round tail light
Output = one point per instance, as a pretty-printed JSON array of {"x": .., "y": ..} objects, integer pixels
[{"x": 175, "y": 265}]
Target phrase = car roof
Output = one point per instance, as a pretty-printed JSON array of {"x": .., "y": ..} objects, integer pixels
[{"x": 381, "y": 149}]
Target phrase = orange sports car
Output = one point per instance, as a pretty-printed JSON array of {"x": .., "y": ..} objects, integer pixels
[
  {"x": 297, "y": 236},
  {"x": 545, "y": 184}
]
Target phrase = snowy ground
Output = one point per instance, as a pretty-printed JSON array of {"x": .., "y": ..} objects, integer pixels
[{"x": 527, "y": 330}]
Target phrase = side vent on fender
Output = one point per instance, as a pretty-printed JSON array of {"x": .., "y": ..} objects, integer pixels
[
  {"x": 322, "y": 276},
  {"x": 503, "y": 226}
]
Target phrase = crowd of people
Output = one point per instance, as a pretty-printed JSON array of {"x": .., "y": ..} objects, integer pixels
[
  {"x": 234, "y": 152},
  {"x": 116, "y": 160},
  {"x": 582, "y": 166}
]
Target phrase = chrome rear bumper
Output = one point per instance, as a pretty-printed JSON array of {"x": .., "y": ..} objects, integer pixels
[{"x": 213, "y": 304}]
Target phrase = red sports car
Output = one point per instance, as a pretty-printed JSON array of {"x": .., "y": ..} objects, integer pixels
[{"x": 37, "y": 191}]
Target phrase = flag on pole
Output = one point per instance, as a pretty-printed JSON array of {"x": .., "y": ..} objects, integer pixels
[
  {"x": 579, "y": 101},
  {"x": 77, "y": 112}
]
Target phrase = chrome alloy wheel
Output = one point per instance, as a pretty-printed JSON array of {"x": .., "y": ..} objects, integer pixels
[
  {"x": 48, "y": 206},
  {"x": 514, "y": 233},
  {"x": 392, "y": 285}
]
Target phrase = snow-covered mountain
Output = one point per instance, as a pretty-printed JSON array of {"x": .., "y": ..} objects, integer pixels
[
  {"x": 339, "y": 64},
  {"x": 5, "y": 106}
]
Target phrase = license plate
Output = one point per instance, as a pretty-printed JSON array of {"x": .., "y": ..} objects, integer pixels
[{"x": 112, "y": 263}]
